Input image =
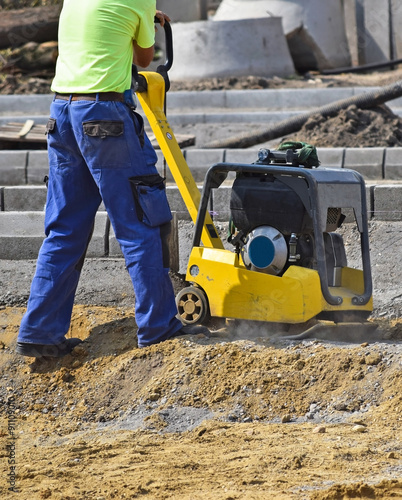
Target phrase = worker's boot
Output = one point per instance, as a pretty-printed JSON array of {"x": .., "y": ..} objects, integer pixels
[{"x": 47, "y": 350}]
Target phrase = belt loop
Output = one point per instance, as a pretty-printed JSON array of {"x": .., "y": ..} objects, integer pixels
[
  {"x": 70, "y": 98},
  {"x": 97, "y": 97}
]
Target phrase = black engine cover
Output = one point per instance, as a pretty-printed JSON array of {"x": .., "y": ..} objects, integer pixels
[{"x": 258, "y": 200}]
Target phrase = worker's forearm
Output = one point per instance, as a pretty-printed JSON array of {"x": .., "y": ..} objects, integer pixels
[{"x": 142, "y": 57}]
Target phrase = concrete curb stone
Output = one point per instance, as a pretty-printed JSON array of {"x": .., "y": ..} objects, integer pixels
[
  {"x": 22, "y": 234},
  {"x": 393, "y": 164},
  {"x": 387, "y": 201},
  {"x": 367, "y": 161},
  {"x": 30, "y": 167}
]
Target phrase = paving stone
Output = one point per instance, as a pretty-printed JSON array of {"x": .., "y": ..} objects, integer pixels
[
  {"x": 393, "y": 164},
  {"x": 221, "y": 203},
  {"x": 200, "y": 160},
  {"x": 13, "y": 167},
  {"x": 331, "y": 157},
  {"x": 38, "y": 167},
  {"x": 24, "y": 198},
  {"x": 367, "y": 161},
  {"x": 377, "y": 38},
  {"x": 22, "y": 233},
  {"x": 241, "y": 155},
  {"x": 396, "y": 16},
  {"x": 387, "y": 202}
]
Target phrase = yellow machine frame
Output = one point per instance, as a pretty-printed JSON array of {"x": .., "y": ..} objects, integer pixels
[{"x": 232, "y": 290}]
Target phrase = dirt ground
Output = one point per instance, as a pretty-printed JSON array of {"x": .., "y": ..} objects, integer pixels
[{"x": 241, "y": 415}]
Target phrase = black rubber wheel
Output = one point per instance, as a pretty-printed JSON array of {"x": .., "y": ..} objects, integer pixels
[{"x": 192, "y": 305}]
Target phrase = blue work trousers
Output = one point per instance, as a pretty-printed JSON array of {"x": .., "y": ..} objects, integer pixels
[{"x": 95, "y": 148}]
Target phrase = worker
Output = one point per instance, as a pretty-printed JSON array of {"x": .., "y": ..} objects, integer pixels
[{"x": 98, "y": 151}]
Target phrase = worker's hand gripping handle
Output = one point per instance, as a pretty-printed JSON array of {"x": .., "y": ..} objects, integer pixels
[{"x": 139, "y": 83}]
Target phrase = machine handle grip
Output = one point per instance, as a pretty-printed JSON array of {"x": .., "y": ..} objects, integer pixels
[
  {"x": 139, "y": 83},
  {"x": 168, "y": 44}
]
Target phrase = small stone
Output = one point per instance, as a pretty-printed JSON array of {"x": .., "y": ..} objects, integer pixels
[
  {"x": 154, "y": 396},
  {"x": 80, "y": 350},
  {"x": 286, "y": 418},
  {"x": 299, "y": 365},
  {"x": 76, "y": 364},
  {"x": 359, "y": 428},
  {"x": 365, "y": 344},
  {"x": 391, "y": 454},
  {"x": 320, "y": 430},
  {"x": 373, "y": 359},
  {"x": 67, "y": 377}
]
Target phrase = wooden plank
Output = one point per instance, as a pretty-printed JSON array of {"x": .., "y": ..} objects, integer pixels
[{"x": 26, "y": 128}]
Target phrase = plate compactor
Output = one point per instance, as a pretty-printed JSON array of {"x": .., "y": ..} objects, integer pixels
[{"x": 284, "y": 263}]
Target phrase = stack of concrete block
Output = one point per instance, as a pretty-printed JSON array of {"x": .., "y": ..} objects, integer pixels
[
  {"x": 242, "y": 47},
  {"x": 314, "y": 30},
  {"x": 373, "y": 30}
]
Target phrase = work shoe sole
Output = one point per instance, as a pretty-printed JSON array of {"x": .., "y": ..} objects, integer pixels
[
  {"x": 47, "y": 350},
  {"x": 192, "y": 330}
]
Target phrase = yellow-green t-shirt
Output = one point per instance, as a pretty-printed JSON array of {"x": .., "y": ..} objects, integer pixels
[{"x": 96, "y": 43}]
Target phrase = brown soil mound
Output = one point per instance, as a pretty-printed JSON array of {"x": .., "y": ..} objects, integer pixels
[
  {"x": 354, "y": 128},
  {"x": 198, "y": 418}
]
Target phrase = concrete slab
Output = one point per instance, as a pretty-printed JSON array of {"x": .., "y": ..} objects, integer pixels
[
  {"x": 29, "y": 115},
  {"x": 377, "y": 47},
  {"x": 191, "y": 99},
  {"x": 176, "y": 202},
  {"x": 393, "y": 163},
  {"x": 24, "y": 104},
  {"x": 331, "y": 157},
  {"x": 306, "y": 26},
  {"x": 367, "y": 161},
  {"x": 286, "y": 99},
  {"x": 13, "y": 167},
  {"x": 396, "y": 22},
  {"x": 181, "y": 10},
  {"x": 10, "y": 158},
  {"x": 38, "y": 167},
  {"x": 22, "y": 234},
  {"x": 387, "y": 202},
  {"x": 13, "y": 176},
  {"x": 200, "y": 160},
  {"x": 27, "y": 198},
  {"x": 221, "y": 203},
  {"x": 207, "y": 49},
  {"x": 24, "y": 198},
  {"x": 241, "y": 155},
  {"x": 354, "y": 27}
]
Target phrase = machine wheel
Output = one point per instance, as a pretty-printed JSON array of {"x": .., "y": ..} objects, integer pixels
[{"x": 192, "y": 305}]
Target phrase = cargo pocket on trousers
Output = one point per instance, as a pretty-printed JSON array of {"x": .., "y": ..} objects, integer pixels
[
  {"x": 105, "y": 144},
  {"x": 103, "y": 128},
  {"x": 150, "y": 199}
]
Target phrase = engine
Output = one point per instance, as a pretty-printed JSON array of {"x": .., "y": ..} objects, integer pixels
[{"x": 272, "y": 229}]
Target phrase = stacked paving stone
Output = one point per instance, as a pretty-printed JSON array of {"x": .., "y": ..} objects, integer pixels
[{"x": 23, "y": 192}]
